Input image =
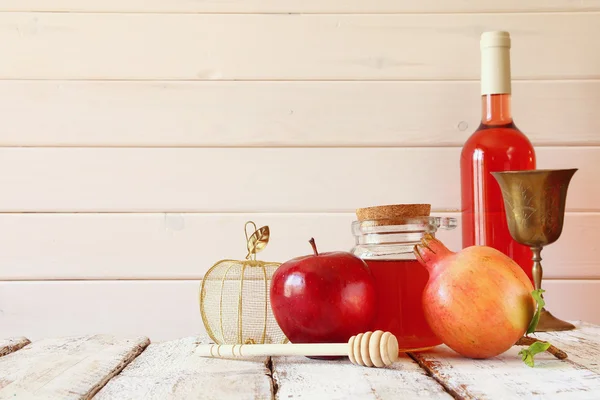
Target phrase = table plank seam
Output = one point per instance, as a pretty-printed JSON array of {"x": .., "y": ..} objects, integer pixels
[
  {"x": 129, "y": 357},
  {"x": 271, "y": 375},
  {"x": 18, "y": 344},
  {"x": 429, "y": 371}
]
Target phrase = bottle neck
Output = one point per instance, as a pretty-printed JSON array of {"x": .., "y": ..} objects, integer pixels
[
  {"x": 495, "y": 109},
  {"x": 496, "y": 82}
]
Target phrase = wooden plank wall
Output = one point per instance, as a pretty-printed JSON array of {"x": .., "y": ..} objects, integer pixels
[{"x": 138, "y": 136}]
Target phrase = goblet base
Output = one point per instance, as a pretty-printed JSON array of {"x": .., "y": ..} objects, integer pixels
[{"x": 549, "y": 323}]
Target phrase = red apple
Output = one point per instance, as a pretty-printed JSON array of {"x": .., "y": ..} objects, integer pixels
[{"x": 323, "y": 298}]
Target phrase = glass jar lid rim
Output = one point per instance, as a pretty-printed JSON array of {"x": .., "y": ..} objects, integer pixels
[{"x": 399, "y": 222}]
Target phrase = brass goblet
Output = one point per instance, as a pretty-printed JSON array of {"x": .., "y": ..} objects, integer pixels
[{"x": 534, "y": 202}]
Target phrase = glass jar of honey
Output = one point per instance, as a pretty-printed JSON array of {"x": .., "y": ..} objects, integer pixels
[{"x": 387, "y": 248}]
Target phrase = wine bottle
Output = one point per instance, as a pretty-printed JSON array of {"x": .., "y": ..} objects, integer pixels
[{"x": 496, "y": 145}]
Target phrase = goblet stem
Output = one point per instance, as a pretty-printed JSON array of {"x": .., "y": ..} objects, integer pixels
[
  {"x": 548, "y": 322},
  {"x": 537, "y": 267}
]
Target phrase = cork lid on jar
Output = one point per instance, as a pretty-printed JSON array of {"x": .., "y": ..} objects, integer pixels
[{"x": 394, "y": 213}]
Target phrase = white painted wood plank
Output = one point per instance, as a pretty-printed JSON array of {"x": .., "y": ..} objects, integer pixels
[
  {"x": 66, "y": 368},
  {"x": 122, "y": 113},
  {"x": 171, "y": 370},
  {"x": 582, "y": 345},
  {"x": 10, "y": 345},
  {"x": 336, "y": 47},
  {"x": 304, "y": 6},
  {"x": 229, "y": 180},
  {"x": 165, "y": 246},
  {"x": 506, "y": 377},
  {"x": 571, "y": 256},
  {"x": 303, "y": 378},
  {"x": 163, "y": 310},
  {"x": 47, "y": 309}
]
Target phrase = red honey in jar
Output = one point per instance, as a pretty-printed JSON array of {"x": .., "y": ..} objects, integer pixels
[{"x": 387, "y": 248}]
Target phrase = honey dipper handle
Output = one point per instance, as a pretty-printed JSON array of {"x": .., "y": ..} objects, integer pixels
[{"x": 251, "y": 350}]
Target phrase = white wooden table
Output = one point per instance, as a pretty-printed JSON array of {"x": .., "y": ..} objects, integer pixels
[{"x": 106, "y": 367}]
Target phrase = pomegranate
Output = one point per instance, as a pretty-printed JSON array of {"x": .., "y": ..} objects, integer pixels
[{"x": 477, "y": 301}]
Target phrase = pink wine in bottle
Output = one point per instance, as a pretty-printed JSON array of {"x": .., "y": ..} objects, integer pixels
[{"x": 496, "y": 145}]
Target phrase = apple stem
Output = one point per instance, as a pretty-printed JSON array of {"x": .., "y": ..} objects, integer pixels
[{"x": 314, "y": 246}]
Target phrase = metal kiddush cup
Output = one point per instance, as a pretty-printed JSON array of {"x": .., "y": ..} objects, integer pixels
[{"x": 534, "y": 201}]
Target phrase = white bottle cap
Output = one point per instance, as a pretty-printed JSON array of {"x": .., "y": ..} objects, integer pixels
[
  {"x": 495, "y": 39},
  {"x": 495, "y": 63}
]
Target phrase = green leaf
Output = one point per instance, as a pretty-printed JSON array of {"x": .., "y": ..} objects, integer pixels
[
  {"x": 526, "y": 357},
  {"x": 537, "y": 295},
  {"x": 529, "y": 353}
]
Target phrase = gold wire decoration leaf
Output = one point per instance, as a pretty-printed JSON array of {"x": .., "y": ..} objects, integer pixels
[
  {"x": 257, "y": 241},
  {"x": 234, "y": 297}
]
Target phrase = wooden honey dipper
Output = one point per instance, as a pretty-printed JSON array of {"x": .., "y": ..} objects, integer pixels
[{"x": 370, "y": 349}]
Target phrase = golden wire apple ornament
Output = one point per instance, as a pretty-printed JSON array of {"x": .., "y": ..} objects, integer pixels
[{"x": 234, "y": 296}]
